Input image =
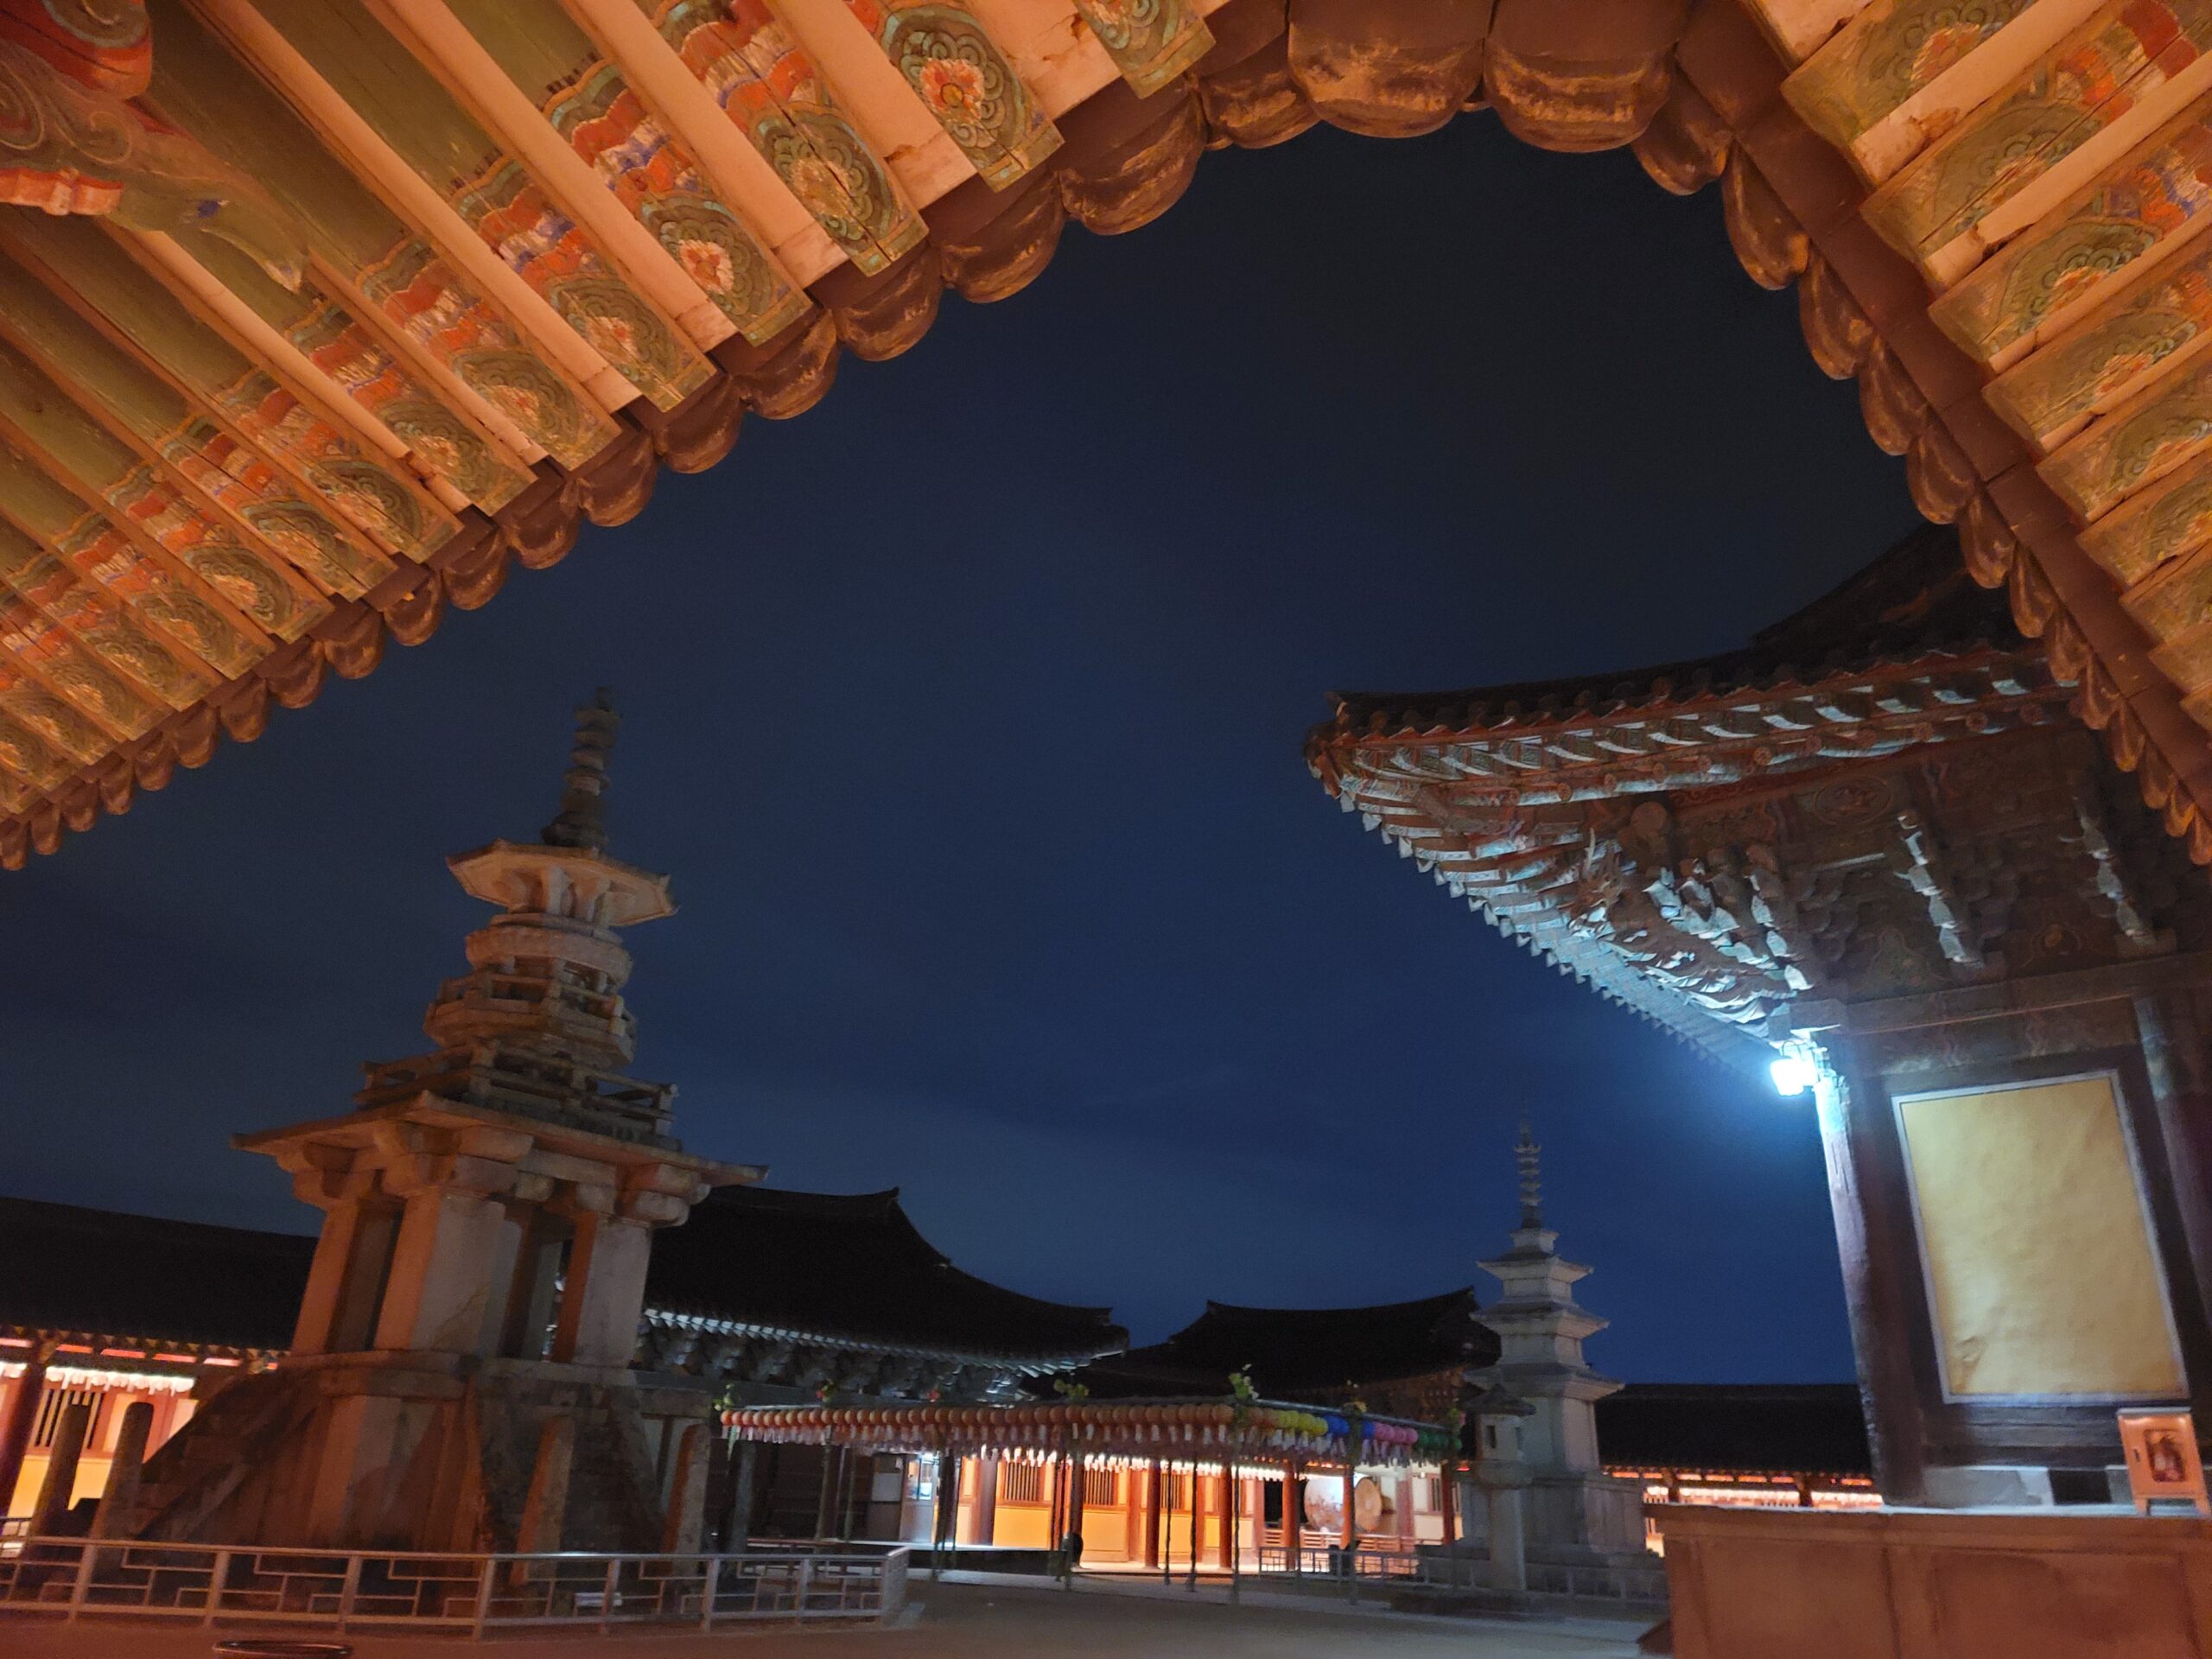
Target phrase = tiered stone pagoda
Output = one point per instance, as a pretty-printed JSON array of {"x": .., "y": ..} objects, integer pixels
[
  {"x": 460, "y": 1377},
  {"x": 1574, "y": 1509}
]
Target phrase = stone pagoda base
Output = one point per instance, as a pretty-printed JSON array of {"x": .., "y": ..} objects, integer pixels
[{"x": 426, "y": 1451}]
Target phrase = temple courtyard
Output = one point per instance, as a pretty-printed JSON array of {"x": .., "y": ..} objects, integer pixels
[{"x": 985, "y": 1617}]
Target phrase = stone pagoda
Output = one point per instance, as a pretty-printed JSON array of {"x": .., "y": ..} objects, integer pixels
[
  {"x": 1574, "y": 1511},
  {"x": 460, "y": 1376}
]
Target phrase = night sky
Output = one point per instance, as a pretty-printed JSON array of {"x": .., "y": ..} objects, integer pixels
[{"x": 966, "y": 709}]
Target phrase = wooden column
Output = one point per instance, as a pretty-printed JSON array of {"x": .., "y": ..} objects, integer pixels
[
  {"x": 2177, "y": 1038},
  {"x": 1152, "y": 1494},
  {"x": 986, "y": 1513},
  {"x": 825, "y": 1500},
  {"x": 945, "y": 1515},
  {"x": 744, "y": 1478},
  {"x": 1075, "y": 1501},
  {"x": 1874, "y": 1238},
  {"x": 23, "y": 1395},
  {"x": 1197, "y": 1503}
]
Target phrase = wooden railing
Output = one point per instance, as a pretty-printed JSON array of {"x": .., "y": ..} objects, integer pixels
[{"x": 71, "y": 1578}]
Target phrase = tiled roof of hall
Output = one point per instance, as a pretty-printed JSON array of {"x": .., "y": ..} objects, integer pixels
[
  {"x": 853, "y": 1271},
  {"x": 72, "y": 1272},
  {"x": 1913, "y": 611},
  {"x": 317, "y": 317},
  {"x": 1296, "y": 1352},
  {"x": 1736, "y": 1429}
]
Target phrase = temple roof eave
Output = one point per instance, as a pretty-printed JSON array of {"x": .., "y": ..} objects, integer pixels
[{"x": 1025, "y": 1363}]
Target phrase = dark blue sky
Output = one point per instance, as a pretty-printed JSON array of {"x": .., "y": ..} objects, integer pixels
[{"x": 966, "y": 711}]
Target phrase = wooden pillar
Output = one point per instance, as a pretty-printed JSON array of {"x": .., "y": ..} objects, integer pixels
[
  {"x": 1151, "y": 1495},
  {"x": 1230, "y": 1492},
  {"x": 945, "y": 1516},
  {"x": 120, "y": 1496},
  {"x": 23, "y": 1395},
  {"x": 2177, "y": 1058},
  {"x": 1197, "y": 1505},
  {"x": 61, "y": 1468},
  {"x": 1075, "y": 1505},
  {"x": 986, "y": 1512},
  {"x": 1874, "y": 1238},
  {"x": 1447, "y": 1482},
  {"x": 744, "y": 1481},
  {"x": 825, "y": 1500},
  {"x": 856, "y": 1491}
]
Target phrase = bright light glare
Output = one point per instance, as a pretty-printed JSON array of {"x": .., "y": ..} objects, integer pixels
[{"x": 1793, "y": 1075}]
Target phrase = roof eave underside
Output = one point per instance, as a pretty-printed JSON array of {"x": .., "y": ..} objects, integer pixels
[
  {"x": 1695, "y": 727},
  {"x": 2057, "y": 442},
  {"x": 1027, "y": 1361}
]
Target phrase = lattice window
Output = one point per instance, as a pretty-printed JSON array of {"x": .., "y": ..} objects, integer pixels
[
  {"x": 58, "y": 1400},
  {"x": 1101, "y": 1486},
  {"x": 1432, "y": 1494},
  {"x": 1021, "y": 1482}
]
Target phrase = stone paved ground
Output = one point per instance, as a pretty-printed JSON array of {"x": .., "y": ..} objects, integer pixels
[{"x": 978, "y": 1621}]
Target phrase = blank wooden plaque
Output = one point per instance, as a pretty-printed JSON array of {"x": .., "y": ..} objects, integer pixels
[{"x": 2041, "y": 1276}]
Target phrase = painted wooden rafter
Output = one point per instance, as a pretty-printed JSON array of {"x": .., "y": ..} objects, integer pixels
[
  {"x": 505, "y": 200},
  {"x": 420, "y": 265},
  {"x": 99, "y": 279},
  {"x": 2068, "y": 440},
  {"x": 544, "y": 84}
]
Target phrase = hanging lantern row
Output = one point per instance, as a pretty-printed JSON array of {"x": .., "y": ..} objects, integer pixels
[{"x": 1149, "y": 1428}]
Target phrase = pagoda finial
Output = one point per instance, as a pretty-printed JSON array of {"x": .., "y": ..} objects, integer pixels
[
  {"x": 581, "y": 823},
  {"x": 1532, "y": 1186}
]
